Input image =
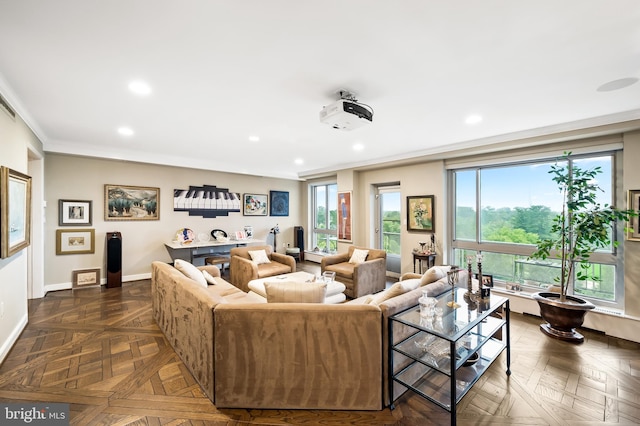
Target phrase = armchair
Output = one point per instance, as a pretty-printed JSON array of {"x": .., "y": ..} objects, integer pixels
[
  {"x": 360, "y": 278},
  {"x": 242, "y": 269}
]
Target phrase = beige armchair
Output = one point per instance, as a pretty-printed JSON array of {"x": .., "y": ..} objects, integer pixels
[
  {"x": 361, "y": 278},
  {"x": 242, "y": 269}
]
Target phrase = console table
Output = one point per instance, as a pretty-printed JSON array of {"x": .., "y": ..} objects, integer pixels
[
  {"x": 437, "y": 355},
  {"x": 419, "y": 257},
  {"x": 197, "y": 250}
]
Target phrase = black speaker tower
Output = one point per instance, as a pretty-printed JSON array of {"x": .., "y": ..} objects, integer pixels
[
  {"x": 298, "y": 240},
  {"x": 114, "y": 259}
]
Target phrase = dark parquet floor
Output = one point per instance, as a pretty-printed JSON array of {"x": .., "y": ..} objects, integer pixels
[{"x": 100, "y": 351}]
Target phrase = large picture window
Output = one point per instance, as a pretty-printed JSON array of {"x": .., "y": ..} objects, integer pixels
[
  {"x": 503, "y": 210},
  {"x": 325, "y": 217}
]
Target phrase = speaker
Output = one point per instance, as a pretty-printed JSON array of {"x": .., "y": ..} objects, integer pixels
[
  {"x": 114, "y": 259},
  {"x": 298, "y": 240}
]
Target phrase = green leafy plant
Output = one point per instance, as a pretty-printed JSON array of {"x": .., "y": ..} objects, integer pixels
[{"x": 583, "y": 226}]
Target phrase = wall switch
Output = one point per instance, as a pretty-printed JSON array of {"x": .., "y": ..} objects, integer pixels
[{"x": 1, "y": 309}]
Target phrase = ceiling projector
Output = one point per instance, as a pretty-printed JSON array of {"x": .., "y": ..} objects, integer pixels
[{"x": 346, "y": 114}]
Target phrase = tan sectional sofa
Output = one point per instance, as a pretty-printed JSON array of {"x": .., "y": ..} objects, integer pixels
[{"x": 246, "y": 353}]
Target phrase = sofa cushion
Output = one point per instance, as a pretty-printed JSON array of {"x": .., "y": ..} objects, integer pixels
[
  {"x": 343, "y": 269},
  {"x": 401, "y": 287},
  {"x": 208, "y": 278},
  {"x": 190, "y": 271},
  {"x": 359, "y": 256},
  {"x": 259, "y": 257},
  {"x": 295, "y": 292},
  {"x": 272, "y": 268},
  {"x": 434, "y": 273}
]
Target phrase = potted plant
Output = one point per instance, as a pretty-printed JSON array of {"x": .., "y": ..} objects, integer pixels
[{"x": 582, "y": 227}]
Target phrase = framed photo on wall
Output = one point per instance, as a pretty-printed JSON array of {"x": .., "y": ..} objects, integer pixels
[
  {"x": 344, "y": 217},
  {"x": 254, "y": 205},
  {"x": 420, "y": 213},
  {"x": 74, "y": 212},
  {"x": 124, "y": 202},
  {"x": 75, "y": 241},
  {"x": 279, "y": 203},
  {"x": 15, "y": 211},
  {"x": 634, "y": 224}
]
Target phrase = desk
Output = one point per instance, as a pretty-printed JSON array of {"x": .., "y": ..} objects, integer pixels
[
  {"x": 198, "y": 250},
  {"x": 430, "y": 258}
]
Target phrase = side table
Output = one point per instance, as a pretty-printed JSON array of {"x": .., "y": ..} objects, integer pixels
[
  {"x": 441, "y": 358},
  {"x": 419, "y": 257}
]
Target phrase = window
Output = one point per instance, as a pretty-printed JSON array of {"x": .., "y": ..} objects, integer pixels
[
  {"x": 325, "y": 217},
  {"x": 503, "y": 210}
]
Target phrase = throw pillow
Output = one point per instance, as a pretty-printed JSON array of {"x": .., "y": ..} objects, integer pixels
[
  {"x": 295, "y": 292},
  {"x": 190, "y": 271},
  {"x": 433, "y": 274},
  {"x": 259, "y": 256},
  {"x": 209, "y": 278},
  {"x": 401, "y": 287},
  {"x": 358, "y": 256}
]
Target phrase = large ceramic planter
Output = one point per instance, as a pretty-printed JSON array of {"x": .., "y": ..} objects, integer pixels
[{"x": 562, "y": 317}]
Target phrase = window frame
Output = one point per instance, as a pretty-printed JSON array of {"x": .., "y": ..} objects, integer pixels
[
  {"x": 615, "y": 257},
  {"x": 329, "y": 233}
]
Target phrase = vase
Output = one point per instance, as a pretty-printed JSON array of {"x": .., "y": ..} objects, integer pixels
[{"x": 562, "y": 317}]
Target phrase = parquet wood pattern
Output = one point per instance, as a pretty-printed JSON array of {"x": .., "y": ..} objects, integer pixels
[{"x": 100, "y": 351}]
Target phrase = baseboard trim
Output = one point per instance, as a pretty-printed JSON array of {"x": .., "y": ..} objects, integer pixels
[
  {"x": 103, "y": 281},
  {"x": 13, "y": 337}
]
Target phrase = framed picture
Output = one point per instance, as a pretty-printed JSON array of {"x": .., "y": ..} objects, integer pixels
[
  {"x": 84, "y": 278},
  {"x": 420, "y": 213},
  {"x": 254, "y": 205},
  {"x": 344, "y": 216},
  {"x": 122, "y": 202},
  {"x": 75, "y": 241},
  {"x": 487, "y": 280},
  {"x": 15, "y": 211},
  {"x": 634, "y": 225},
  {"x": 279, "y": 203},
  {"x": 74, "y": 212}
]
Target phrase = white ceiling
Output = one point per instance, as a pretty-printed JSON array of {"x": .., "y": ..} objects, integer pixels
[{"x": 222, "y": 71}]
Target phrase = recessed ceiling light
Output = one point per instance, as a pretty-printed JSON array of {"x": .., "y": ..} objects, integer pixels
[
  {"x": 125, "y": 131},
  {"x": 140, "y": 87},
  {"x": 358, "y": 147},
  {"x": 473, "y": 119},
  {"x": 617, "y": 84},
  {"x": 298, "y": 161},
  {"x": 254, "y": 138}
]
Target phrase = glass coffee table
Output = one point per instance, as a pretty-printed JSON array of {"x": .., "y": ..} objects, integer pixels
[{"x": 440, "y": 358}]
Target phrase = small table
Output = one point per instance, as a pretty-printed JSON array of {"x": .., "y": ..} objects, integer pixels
[
  {"x": 430, "y": 258},
  {"x": 335, "y": 290},
  {"x": 436, "y": 352}
]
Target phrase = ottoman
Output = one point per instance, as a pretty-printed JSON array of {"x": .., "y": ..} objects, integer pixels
[{"x": 334, "y": 290}]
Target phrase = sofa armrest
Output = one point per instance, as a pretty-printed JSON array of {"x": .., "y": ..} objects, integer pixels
[
  {"x": 370, "y": 276},
  {"x": 285, "y": 260},
  {"x": 241, "y": 271},
  {"x": 183, "y": 311},
  {"x": 333, "y": 260},
  {"x": 329, "y": 357}
]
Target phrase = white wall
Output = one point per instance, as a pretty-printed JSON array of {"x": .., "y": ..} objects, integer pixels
[
  {"x": 80, "y": 178},
  {"x": 16, "y": 139},
  {"x": 631, "y": 179}
]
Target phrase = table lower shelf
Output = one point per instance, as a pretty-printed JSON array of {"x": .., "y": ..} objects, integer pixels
[{"x": 436, "y": 386}]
